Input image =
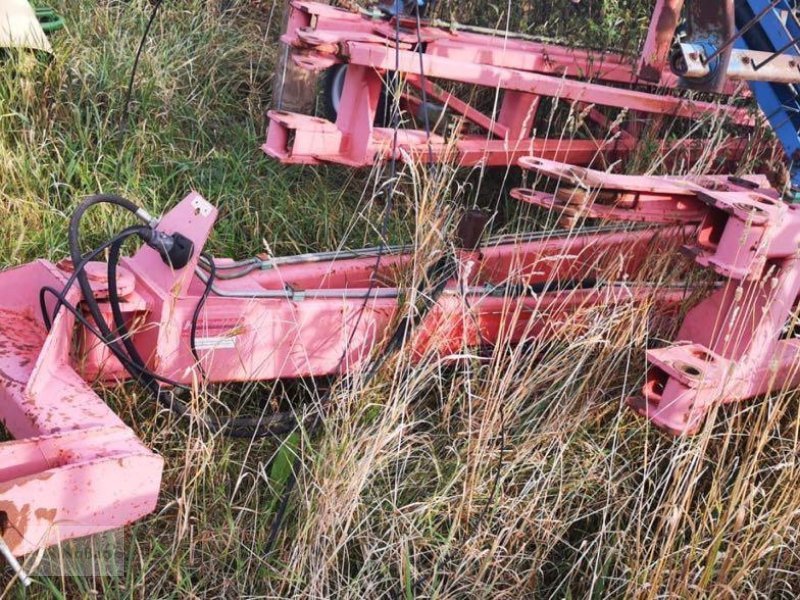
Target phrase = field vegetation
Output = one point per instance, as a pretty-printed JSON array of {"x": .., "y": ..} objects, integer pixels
[{"x": 513, "y": 472}]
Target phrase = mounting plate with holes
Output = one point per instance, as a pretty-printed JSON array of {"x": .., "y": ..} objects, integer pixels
[{"x": 201, "y": 207}]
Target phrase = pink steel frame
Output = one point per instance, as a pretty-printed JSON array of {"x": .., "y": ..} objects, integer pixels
[
  {"x": 321, "y": 36},
  {"x": 733, "y": 345},
  {"x": 77, "y": 469}
]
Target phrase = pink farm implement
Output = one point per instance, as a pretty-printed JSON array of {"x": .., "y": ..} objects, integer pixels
[
  {"x": 76, "y": 469},
  {"x": 525, "y": 72},
  {"x": 170, "y": 316}
]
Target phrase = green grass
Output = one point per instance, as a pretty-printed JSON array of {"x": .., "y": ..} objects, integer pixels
[
  {"x": 398, "y": 487},
  {"x": 197, "y": 121}
]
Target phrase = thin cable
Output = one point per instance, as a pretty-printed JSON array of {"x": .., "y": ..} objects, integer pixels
[
  {"x": 777, "y": 53},
  {"x": 81, "y": 318},
  {"x": 212, "y": 274},
  {"x": 125, "y": 115},
  {"x": 47, "y": 316}
]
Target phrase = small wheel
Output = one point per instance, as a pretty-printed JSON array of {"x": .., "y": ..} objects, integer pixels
[{"x": 332, "y": 89}]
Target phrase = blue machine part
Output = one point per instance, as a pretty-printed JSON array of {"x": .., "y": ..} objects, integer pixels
[
  {"x": 779, "y": 102},
  {"x": 403, "y": 7}
]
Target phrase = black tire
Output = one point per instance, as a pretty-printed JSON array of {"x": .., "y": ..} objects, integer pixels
[
  {"x": 332, "y": 86},
  {"x": 333, "y": 81}
]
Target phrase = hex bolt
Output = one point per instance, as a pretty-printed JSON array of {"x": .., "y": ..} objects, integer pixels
[{"x": 14, "y": 564}]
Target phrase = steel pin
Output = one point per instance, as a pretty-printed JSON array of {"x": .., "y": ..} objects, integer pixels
[{"x": 14, "y": 563}]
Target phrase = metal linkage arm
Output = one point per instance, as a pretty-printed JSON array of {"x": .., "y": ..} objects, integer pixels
[
  {"x": 587, "y": 193},
  {"x": 733, "y": 345},
  {"x": 522, "y": 72},
  {"x": 762, "y": 49}
]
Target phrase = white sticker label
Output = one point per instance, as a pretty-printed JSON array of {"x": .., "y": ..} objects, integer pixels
[{"x": 215, "y": 343}]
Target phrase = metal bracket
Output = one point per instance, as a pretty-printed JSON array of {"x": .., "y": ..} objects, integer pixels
[{"x": 744, "y": 65}]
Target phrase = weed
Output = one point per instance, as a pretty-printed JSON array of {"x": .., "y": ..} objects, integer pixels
[{"x": 396, "y": 493}]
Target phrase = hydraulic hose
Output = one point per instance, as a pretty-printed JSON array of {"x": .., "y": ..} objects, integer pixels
[
  {"x": 83, "y": 278},
  {"x": 236, "y": 428},
  {"x": 127, "y": 353},
  {"x": 47, "y": 316}
]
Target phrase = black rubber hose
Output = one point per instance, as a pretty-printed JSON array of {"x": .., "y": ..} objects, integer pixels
[
  {"x": 126, "y": 362},
  {"x": 212, "y": 275},
  {"x": 120, "y": 328},
  {"x": 86, "y": 286},
  {"x": 48, "y": 317},
  {"x": 249, "y": 428},
  {"x": 88, "y": 203},
  {"x": 239, "y": 428}
]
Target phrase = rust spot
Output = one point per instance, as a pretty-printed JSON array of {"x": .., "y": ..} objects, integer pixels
[
  {"x": 46, "y": 514},
  {"x": 21, "y": 340},
  {"x": 16, "y": 522}
]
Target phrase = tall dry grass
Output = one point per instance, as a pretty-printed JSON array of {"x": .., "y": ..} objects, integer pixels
[{"x": 508, "y": 471}]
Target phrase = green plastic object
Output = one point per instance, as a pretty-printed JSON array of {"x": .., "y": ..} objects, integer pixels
[{"x": 49, "y": 19}]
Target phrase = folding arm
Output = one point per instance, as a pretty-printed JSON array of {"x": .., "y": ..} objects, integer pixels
[{"x": 733, "y": 345}]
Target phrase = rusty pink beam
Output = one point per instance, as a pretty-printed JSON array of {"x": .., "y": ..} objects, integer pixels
[
  {"x": 301, "y": 139},
  {"x": 589, "y": 193},
  {"x": 384, "y": 59},
  {"x": 522, "y": 72},
  {"x": 660, "y": 37},
  {"x": 263, "y": 332},
  {"x": 731, "y": 346}
]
